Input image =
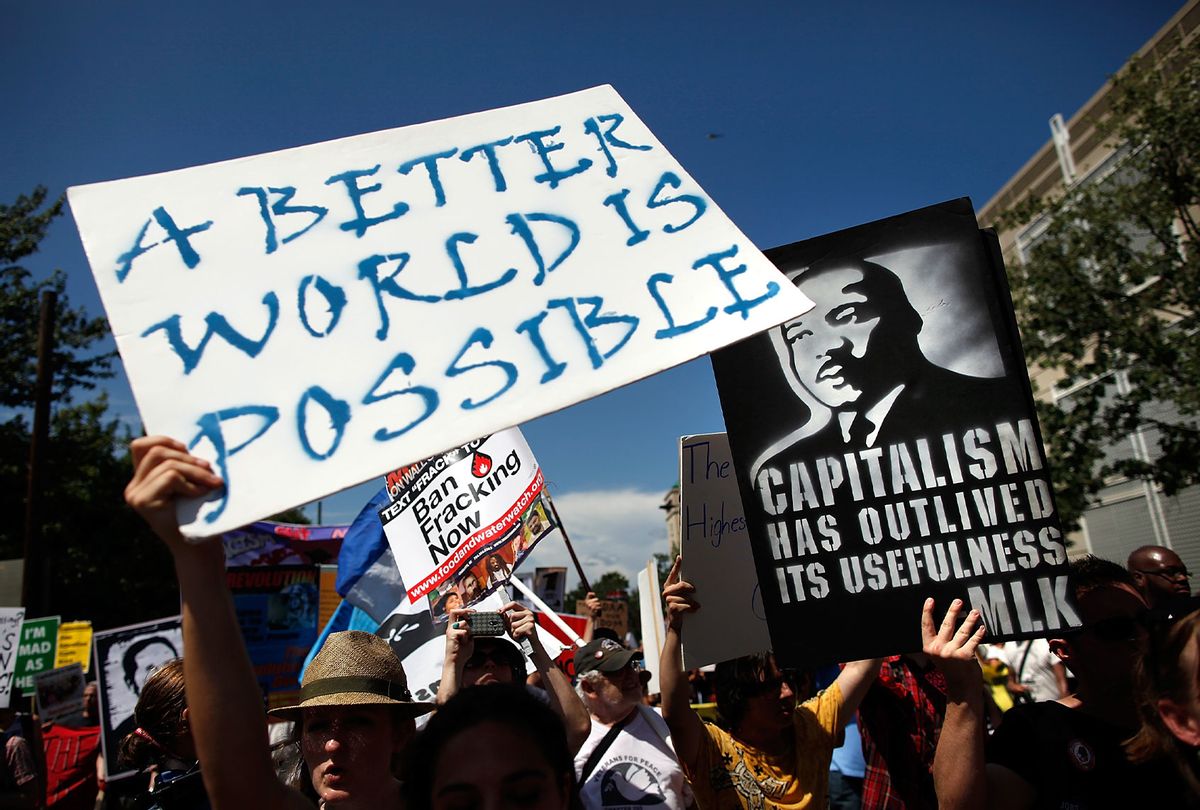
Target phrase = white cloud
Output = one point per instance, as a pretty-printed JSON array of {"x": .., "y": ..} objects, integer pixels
[{"x": 611, "y": 530}]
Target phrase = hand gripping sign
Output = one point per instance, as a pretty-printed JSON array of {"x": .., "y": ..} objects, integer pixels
[{"x": 336, "y": 309}]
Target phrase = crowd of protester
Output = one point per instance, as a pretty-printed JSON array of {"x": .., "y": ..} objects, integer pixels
[{"x": 1107, "y": 715}]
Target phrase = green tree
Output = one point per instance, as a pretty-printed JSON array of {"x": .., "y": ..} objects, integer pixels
[
  {"x": 1110, "y": 292},
  {"x": 107, "y": 566}
]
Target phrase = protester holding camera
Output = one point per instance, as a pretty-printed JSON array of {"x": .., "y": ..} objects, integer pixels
[
  {"x": 473, "y": 659},
  {"x": 774, "y": 750}
]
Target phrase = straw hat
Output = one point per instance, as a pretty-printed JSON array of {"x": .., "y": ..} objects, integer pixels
[{"x": 354, "y": 668}]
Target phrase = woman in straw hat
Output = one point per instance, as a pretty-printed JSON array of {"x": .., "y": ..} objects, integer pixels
[{"x": 355, "y": 712}]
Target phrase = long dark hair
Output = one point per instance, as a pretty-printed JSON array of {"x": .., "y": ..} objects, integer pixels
[
  {"x": 506, "y": 704},
  {"x": 159, "y": 717}
]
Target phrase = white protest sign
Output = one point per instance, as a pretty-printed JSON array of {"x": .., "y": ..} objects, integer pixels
[
  {"x": 461, "y": 510},
  {"x": 653, "y": 632},
  {"x": 337, "y": 309},
  {"x": 716, "y": 556},
  {"x": 10, "y": 637}
]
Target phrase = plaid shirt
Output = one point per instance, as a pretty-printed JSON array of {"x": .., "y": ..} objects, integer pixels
[{"x": 899, "y": 720}]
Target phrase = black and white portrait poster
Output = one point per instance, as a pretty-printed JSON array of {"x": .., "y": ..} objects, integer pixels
[
  {"x": 886, "y": 445},
  {"x": 125, "y": 658}
]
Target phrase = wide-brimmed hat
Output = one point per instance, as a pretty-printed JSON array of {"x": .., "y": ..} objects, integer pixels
[{"x": 354, "y": 668}]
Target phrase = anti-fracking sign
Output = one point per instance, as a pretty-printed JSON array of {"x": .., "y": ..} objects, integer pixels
[
  {"x": 886, "y": 446},
  {"x": 460, "y": 522},
  {"x": 480, "y": 271}
]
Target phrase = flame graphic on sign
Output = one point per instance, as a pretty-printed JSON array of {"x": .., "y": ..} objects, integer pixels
[{"x": 481, "y": 465}]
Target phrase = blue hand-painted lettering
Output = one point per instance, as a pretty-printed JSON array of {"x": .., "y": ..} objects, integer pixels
[
  {"x": 361, "y": 221},
  {"x": 335, "y": 300},
  {"x": 673, "y": 329},
  {"x": 488, "y": 150},
  {"x": 435, "y": 179},
  {"x": 403, "y": 363},
  {"x": 532, "y": 327},
  {"x": 520, "y": 227},
  {"x": 464, "y": 290},
  {"x": 671, "y": 179},
  {"x": 484, "y": 338},
  {"x": 210, "y": 430},
  {"x": 216, "y": 324},
  {"x": 338, "y": 411},
  {"x": 552, "y": 175},
  {"x": 281, "y": 208},
  {"x": 740, "y": 306},
  {"x": 594, "y": 319},
  {"x": 616, "y": 201},
  {"x": 606, "y": 138},
  {"x": 180, "y": 236},
  {"x": 368, "y": 269}
]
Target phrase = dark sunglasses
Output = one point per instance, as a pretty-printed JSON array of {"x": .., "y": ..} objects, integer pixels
[
  {"x": 1117, "y": 628},
  {"x": 494, "y": 657},
  {"x": 1175, "y": 572}
]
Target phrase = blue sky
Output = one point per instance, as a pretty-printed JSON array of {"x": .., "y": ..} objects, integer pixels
[{"x": 828, "y": 115}]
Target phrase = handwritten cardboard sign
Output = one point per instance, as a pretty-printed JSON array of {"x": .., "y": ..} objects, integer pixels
[
  {"x": 334, "y": 310},
  {"x": 717, "y": 559}
]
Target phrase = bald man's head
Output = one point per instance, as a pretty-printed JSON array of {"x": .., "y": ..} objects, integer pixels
[{"x": 1159, "y": 573}]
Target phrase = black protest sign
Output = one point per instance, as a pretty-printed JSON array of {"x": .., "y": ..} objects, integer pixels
[{"x": 886, "y": 445}]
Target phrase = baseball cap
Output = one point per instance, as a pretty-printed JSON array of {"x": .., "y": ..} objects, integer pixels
[{"x": 602, "y": 655}]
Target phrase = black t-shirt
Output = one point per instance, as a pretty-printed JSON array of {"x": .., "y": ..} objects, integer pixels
[{"x": 1076, "y": 761}]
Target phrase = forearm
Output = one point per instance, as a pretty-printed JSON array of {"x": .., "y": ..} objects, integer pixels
[
  {"x": 451, "y": 680},
  {"x": 959, "y": 769},
  {"x": 854, "y": 681},
  {"x": 564, "y": 700},
  {"x": 224, "y": 702}
]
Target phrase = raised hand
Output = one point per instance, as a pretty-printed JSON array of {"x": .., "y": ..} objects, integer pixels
[
  {"x": 678, "y": 595},
  {"x": 459, "y": 641},
  {"x": 952, "y": 645},
  {"x": 163, "y": 470}
]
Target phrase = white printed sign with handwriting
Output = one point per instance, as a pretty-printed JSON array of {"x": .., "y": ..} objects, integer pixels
[
  {"x": 717, "y": 557},
  {"x": 337, "y": 309},
  {"x": 11, "y": 620}
]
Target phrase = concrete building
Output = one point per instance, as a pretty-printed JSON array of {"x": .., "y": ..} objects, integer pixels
[{"x": 1129, "y": 513}]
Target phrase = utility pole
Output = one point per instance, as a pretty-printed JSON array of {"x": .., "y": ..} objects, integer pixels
[{"x": 39, "y": 560}]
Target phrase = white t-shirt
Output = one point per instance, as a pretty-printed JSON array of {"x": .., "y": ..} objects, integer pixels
[
  {"x": 1038, "y": 672},
  {"x": 639, "y": 768}
]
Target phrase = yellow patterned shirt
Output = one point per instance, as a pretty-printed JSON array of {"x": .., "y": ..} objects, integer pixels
[{"x": 730, "y": 775}]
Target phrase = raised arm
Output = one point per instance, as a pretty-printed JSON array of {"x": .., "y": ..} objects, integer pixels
[
  {"x": 854, "y": 681},
  {"x": 687, "y": 729},
  {"x": 959, "y": 769},
  {"x": 522, "y": 625},
  {"x": 224, "y": 703},
  {"x": 459, "y": 646}
]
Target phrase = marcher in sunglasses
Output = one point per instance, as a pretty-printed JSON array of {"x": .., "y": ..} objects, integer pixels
[{"x": 1159, "y": 574}]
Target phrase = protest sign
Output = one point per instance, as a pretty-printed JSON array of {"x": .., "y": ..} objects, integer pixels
[
  {"x": 10, "y": 639},
  {"x": 550, "y": 584},
  {"x": 459, "y": 523},
  {"x": 614, "y": 615},
  {"x": 266, "y": 542},
  {"x": 651, "y": 614},
  {"x": 715, "y": 546},
  {"x": 887, "y": 448},
  {"x": 59, "y": 693},
  {"x": 480, "y": 271},
  {"x": 125, "y": 658},
  {"x": 74, "y": 645},
  {"x": 277, "y": 611},
  {"x": 39, "y": 642}
]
